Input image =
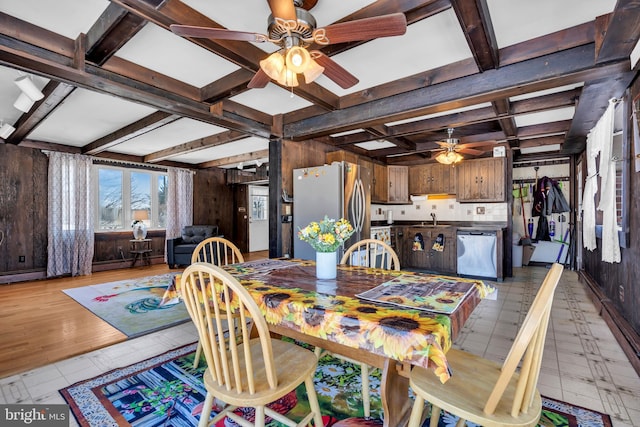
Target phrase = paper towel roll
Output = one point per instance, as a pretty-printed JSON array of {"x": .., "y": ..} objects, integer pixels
[{"x": 389, "y": 216}]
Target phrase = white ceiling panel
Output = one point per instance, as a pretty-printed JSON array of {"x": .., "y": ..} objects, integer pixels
[
  {"x": 161, "y": 50},
  {"x": 546, "y": 92},
  {"x": 540, "y": 149},
  {"x": 92, "y": 116},
  {"x": 68, "y": 18},
  {"x": 556, "y": 115},
  {"x": 248, "y": 145},
  {"x": 272, "y": 99},
  {"x": 375, "y": 145},
  {"x": 174, "y": 133},
  {"x": 515, "y": 21}
]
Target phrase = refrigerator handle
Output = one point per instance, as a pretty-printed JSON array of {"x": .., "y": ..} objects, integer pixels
[{"x": 358, "y": 205}]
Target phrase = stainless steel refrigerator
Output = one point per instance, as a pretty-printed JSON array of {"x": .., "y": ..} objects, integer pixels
[{"x": 338, "y": 190}]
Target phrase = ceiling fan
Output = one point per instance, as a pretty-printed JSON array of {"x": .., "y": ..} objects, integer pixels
[
  {"x": 451, "y": 149},
  {"x": 294, "y": 29}
]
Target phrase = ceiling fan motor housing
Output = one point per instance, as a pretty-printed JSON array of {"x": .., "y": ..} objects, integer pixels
[{"x": 303, "y": 29}]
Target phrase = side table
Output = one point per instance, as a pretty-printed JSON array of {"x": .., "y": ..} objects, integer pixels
[{"x": 141, "y": 250}]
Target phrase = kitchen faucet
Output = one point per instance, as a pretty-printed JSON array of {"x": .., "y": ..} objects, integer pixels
[{"x": 435, "y": 221}]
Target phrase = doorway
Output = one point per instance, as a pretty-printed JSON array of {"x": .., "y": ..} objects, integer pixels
[{"x": 258, "y": 218}]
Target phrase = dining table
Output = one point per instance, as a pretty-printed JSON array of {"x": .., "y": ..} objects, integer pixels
[{"x": 389, "y": 319}]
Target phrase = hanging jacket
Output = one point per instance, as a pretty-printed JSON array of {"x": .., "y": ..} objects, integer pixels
[{"x": 542, "y": 232}]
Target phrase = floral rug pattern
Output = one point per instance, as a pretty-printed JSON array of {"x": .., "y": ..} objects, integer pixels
[{"x": 166, "y": 391}]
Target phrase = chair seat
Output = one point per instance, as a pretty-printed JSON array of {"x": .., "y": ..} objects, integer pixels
[
  {"x": 293, "y": 364},
  {"x": 473, "y": 376}
]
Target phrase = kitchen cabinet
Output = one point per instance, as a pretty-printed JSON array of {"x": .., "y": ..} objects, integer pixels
[
  {"x": 432, "y": 178},
  {"x": 380, "y": 185},
  {"x": 428, "y": 258},
  {"x": 341, "y": 156},
  {"x": 481, "y": 180},
  {"x": 398, "y": 184}
]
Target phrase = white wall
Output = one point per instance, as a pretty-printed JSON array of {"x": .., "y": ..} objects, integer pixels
[{"x": 445, "y": 210}]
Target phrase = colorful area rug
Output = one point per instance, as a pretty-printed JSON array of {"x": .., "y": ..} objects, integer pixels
[
  {"x": 132, "y": 306},
  {"x": 166, "y": 391}
]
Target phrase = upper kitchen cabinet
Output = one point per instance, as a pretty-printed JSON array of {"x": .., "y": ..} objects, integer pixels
[
  {"x": 342, "y": 156},
  {"x": 398, "y": 184},
  {"x": 481, "y": 180},
  {"x": 433, "y": 178}
]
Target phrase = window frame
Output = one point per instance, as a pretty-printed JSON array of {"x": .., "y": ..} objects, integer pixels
[{"x": 126, "y": 195}]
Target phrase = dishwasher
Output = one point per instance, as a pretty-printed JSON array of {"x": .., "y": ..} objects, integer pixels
[{"x": 477, "y": 254}]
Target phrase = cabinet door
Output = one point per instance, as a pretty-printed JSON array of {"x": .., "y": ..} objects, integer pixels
[
  {"x": 341, "y": 156},
  {"x": 418, "y": 179},
  {"x": 380, "y": 188},
  {"x": 481, "y": 180},
  {"x": 445, "y": 261},
  {"x": 416, "y": 258},
  {"x": 398, "y": 183}
]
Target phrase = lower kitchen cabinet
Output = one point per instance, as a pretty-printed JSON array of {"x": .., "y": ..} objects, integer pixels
[{"x": 428, "y": 258}]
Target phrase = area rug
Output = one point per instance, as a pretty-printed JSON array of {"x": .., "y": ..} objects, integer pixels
[
  {"x": 132, "y": 306},
  {"x": 166, "y": 391}
]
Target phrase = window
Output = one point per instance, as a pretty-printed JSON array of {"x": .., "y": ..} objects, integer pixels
[{"x": 125, "y": 195}]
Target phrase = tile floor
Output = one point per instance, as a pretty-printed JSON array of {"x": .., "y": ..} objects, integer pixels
[{"x": 583, "y": 364}]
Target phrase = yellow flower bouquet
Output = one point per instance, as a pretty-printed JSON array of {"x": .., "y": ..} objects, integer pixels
[{"x": 326, "y": 235}]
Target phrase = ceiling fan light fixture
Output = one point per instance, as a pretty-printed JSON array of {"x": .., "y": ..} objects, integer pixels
[
  {"x": 273, "y": 65},
  {"x": 297, "y": 59},
  {"x": 287, "y": 78},
  {"x": 313, "y": 71},
  {"x": 448, "y": 157}
]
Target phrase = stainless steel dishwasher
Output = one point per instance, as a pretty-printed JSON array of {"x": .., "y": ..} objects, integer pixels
[{"x": 477, "y": 254}]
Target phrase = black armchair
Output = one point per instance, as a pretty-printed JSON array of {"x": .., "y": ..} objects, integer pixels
[{"x": 179, "y": 250}]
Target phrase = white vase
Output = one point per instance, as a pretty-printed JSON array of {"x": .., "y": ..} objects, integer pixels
[
  {"x": 326, "y": 265},
  {"x": 139, "y": 231}
]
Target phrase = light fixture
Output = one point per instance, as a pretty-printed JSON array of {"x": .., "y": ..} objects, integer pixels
[
  {"x": 6, "y": 130},
  {"x": 24, "y": 103},
  {"x": 258, "y": 163},
  {"x": 241, "y": 165},
  {"x": 27, "y": 86},
  {"x": 449, "y": 157},
  {"x": 284, "y": 65}
]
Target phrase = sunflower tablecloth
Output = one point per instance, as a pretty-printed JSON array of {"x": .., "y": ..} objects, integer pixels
[{"x": 290, "y": 296}]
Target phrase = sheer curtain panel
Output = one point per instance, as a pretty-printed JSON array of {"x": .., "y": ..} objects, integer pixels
[
  {"x": 179, "y": 202},
  {"x": 70, "y": 227}
]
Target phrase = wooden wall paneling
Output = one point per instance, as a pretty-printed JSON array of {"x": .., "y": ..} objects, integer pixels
[
  {"x": 241, "y": 213},
  {"x": 23, "y": 208},
  {"x": 213, "y": 200}
]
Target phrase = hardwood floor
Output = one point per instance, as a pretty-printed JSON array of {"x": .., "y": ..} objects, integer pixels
[{"x": 39, "y": 324}]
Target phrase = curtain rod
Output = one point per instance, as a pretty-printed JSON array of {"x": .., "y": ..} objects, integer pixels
[{"x": 97, "y": 161}]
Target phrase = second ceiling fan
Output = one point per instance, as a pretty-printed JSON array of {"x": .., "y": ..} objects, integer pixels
[{"x": 294, "y": 30}]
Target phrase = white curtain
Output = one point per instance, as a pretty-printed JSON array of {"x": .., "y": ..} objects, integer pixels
[
  {"x": 179, "y": 202},
  {"x": 70, "y": 224},
  {"x": 599, "y": 142}
]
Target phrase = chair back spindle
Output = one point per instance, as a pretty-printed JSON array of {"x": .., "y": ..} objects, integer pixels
[{"x": 367, "y": 252}]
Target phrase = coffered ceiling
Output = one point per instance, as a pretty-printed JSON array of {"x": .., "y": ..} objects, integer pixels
[{"x": 534, "y": 75}]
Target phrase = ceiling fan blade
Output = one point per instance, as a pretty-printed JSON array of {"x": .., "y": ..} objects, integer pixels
[
  {"x": 334, "y": 71},
  {"x": 471, "y": 151},
  {"x": 216, "y": 33},
  {"x": 283, "y": 9},
  {"x": 394, "y": 24},
  {"x": 259, "y": 80},
  {"x": 477, "y": 144}
]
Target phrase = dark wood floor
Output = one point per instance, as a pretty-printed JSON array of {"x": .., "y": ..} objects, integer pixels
[{"x": 39, "y": 324}]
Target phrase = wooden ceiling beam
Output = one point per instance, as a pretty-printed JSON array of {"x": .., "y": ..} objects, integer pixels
[
  {"x": 195, "y": 145},
  {"x": 152, "y": 122},
  {"x": 246, "y": 157},
  {"x": 541, "y": 141},
  {"x": 242, "y": 54},
  {"x": 477, "y": 28},
  {"x": 54, "y": 93},
  {"x": 561, "y": 126},
  {"x": 618, "y": 32},
  {"x": 558, "y": 69},
  {"x": 21, "y": 55}
]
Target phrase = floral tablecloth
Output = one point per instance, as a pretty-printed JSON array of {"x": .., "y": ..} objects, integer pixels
[{"x": 420, "y": 337}]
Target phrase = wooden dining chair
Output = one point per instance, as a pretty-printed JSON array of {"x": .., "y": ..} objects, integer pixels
[
  {"x": 218, "y": 251},
  {"x": 371, "y": 253},
  {"x": 488, "y": 393},
  {"x": 245, "y": 372},
  {"x": 367, "y": 253}
]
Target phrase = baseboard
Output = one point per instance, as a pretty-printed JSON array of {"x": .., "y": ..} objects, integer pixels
[
  {"x": 626, "y": 336},
  {"x": 31, "y": 275}
]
